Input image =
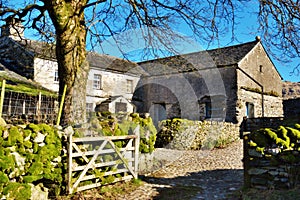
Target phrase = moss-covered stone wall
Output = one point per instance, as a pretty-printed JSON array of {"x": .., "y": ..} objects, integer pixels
[
  {"x": 31, "y": 159},
  {"x": 272, "y": 158}
]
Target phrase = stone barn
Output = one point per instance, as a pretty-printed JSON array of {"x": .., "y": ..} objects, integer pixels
[{"x": 224, "y": 84}]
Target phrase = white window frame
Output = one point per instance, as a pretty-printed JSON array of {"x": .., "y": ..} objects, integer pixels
[
  {"x": 56, "y": 78},
  {"x": 129, "y": 86},
  {"x": 97, "y": 82}
]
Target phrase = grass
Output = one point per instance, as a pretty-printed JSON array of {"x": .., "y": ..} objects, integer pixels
[
  {"x": 30, "y": 88},
  {"x": 106, "y": 192}
]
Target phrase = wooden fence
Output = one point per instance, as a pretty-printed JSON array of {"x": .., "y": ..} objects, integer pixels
[{"x": 95, "y": 161}]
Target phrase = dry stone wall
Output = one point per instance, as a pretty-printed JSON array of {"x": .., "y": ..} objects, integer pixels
[
  {"x": 291, "y": 99},
  {"x": 272, "y": 158},
  {"x": 270, "y": 172}
]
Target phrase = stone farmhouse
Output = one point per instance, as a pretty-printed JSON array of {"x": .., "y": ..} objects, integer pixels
[
  {"x": 223, "y": 84},
  {"x": 220, "y": 84},
  {"x": 109, "y": 77}
]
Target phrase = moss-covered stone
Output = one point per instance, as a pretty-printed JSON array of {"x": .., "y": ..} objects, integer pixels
[
  {"x": 117, "y": 125},
  {"x": 3, "y": 178},
  {"x": 26, "y": 161},
  {"x": 17, "y": 191}
]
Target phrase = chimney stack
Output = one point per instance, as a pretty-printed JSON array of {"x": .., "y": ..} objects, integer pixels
[{"x": 13, "y": 29}]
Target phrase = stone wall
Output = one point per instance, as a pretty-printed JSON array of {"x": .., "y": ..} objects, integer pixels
[
  {"x": 257, "y": 67},
  {"x": 271, "y": 155},
  {"x": 184, "y": 95},
  {"x": 291, "y": 99},
  {"x": 291, "y": 108},
  {"x": 272, "y": 106},
  {"x": 270, "y": 172},
  {"x": 188, "y": 134}
]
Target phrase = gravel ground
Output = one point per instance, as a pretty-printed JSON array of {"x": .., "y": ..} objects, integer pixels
[{"x": 206, "y": 174}]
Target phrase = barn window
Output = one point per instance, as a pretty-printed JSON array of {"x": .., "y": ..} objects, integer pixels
[
  {"x": 260, "y": 68},
  {"x": 208, "y": 109},
  {"x": 250, "y": 110}
]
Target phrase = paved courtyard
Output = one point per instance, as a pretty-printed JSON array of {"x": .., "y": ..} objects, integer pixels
[{"x": 210, "y": 174}]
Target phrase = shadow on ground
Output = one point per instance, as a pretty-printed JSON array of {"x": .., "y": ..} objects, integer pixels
[{"x": 212, "y": 184}]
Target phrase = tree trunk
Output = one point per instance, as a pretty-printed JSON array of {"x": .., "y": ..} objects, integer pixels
[{"x": 68, "y": 19}]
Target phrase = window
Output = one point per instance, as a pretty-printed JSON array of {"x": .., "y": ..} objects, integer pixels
[
  {"x": 129, "y": 86},
  {"x": 97, "y": 82},
  {"x": 250, "y": 110},
  {"x": 260, "y": 68},
  {"x": 208, "y": 109},
  {"x": 56, "y": 76},
  {"x": 121, "y": 107}
]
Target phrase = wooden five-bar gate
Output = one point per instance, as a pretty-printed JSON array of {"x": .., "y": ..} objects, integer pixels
[{"x": 95, "y": 161}]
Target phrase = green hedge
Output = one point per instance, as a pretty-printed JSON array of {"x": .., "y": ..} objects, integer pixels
[{"x": 30, "y": 154}]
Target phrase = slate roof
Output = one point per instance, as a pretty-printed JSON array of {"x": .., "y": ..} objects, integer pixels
[
  {"x": 219, "y": 57},
  {"x": 110, "y": 63},
  {"x": 99, "y": 61},
  {"x": 112, "y": 98},
  {"x": 232, "y": 54}
]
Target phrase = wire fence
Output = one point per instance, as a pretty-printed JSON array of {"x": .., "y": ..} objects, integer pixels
[{"x": 19, "y": 107}]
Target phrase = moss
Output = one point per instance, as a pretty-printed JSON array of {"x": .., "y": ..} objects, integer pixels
[
  {"x": 36, "y": 168},
  {"x": 28, "y": 144},
  {"x": 7, "y": 163},
  {"x": 294, "y": 133},
  {"x": 35, "y": 147},
  {"x": 21, "y": 149},
  {"x": 34, "y": 128},
  {"x": 26, "y": 133},
  {"x": 3, "y": 178},
  {"x": 17, "y": 191},
  {"x": 13, "y": 137},
  {"x": 30, "y": 179},
  {"x": 260, "y": 149},
  {"x": 252, "y": 144},
  {"x": 38, "y": 159}
]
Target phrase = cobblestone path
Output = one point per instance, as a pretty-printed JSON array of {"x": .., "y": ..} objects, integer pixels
[{"x": 206, "y": 174}]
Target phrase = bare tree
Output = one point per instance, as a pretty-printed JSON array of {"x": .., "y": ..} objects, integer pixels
[
  {"x": 279, "y": 24},
  {"x": 74, "y": 23}
]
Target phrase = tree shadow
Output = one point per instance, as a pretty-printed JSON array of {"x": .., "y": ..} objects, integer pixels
[{"x": 209, "y": 184}]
